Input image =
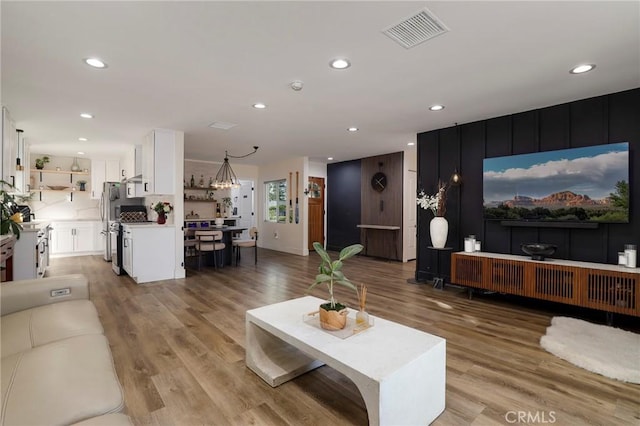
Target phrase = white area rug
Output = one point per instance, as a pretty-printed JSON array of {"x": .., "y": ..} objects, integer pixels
[{"x": 608, "y": 351}]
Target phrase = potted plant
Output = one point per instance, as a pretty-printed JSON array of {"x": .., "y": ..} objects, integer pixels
[
  {"x": 11, "y": 218},
  {"x": 81, "y": 185},
  {"x": 333, "y": 315},
  {"x": 163, "y": 208},
  {"x": 40, "y": 162}
]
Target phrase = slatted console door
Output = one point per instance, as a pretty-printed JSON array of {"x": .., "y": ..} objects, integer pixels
[{"x": 610, "y": 288}]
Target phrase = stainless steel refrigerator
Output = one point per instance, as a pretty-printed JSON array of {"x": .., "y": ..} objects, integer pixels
[{"x": 113, "y": 196}]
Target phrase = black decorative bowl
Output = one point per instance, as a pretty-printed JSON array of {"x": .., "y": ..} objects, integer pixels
[{"x": 538, "y": 251}]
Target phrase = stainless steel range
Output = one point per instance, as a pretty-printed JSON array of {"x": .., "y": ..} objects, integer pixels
[{"x": 127, "y": 214}]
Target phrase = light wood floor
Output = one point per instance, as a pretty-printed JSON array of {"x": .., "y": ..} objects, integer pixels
[{"x": 178, "y": 347}]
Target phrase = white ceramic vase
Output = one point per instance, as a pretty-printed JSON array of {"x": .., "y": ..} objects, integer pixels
[{"x": 438, "y": 228}]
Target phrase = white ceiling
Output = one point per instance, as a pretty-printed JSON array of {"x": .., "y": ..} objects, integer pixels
[{"x": 183, "y": 65}]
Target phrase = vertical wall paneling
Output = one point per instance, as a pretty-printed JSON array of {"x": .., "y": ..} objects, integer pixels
[
  {"x": 472, "y": 146},
  {"x": 600, "y": 120},
  {"x": 624, "y": 126},
  {"x": 382, "y": 208},
  {"x": 428, "y": 172},
  {"x": 343, "y": 204}
]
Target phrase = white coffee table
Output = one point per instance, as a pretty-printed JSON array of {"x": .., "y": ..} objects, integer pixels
[{"x": 400, "y": 371}]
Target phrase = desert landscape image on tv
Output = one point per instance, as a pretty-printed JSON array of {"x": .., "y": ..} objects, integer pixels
[{"x": 577, "y": 184}]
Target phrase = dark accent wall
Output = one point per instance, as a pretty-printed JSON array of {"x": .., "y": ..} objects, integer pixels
[
  {"x": 605, "y": 119},
  {"x": 343, "y": 204},
  {"x": 382, "y": 208}
]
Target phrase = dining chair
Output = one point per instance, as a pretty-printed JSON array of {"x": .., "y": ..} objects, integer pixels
[
  {"x": 209, "y": 241},
  {"x": 247, "y": 242}
]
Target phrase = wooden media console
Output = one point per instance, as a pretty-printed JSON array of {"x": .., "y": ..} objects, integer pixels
[{"x": 610, "y": 288}]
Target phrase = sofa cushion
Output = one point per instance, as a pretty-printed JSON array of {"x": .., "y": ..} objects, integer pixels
[
  {"x": 45, "y": 324},
  {"x": 63, "y": 382}
]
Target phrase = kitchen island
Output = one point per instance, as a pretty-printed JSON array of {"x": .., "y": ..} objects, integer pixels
[{"x": 148, "y": 252}]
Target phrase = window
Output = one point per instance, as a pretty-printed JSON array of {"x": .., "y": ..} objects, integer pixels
[{"x": 276, "y": 201}]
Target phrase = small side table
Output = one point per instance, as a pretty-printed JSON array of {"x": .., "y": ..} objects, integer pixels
[{"x": 442, "y": 266}]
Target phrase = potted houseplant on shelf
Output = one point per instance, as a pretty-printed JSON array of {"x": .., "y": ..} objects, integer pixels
[
  {"x": 11, "y": 217},
  {"x": 40, "y": 162},
  {"x": 333, "y": 315},
  {"x": 163, "y": 208}
]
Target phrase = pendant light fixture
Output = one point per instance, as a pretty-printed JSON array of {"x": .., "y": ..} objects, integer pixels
[{"x": 226, "y": 177}]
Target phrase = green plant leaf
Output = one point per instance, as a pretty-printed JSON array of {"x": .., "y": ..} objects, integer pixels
[
  {"x": 338, "y": 275},
  {"x": 350, "y": 251},
  {"x": 336, "y": 265},
  {"x": 321, "y": 252},
  {"x": 320, "y": 278},
  {"x": 347, "y": 283}
]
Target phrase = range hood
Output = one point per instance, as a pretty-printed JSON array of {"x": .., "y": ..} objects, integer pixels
[{"x": 134, "y": 179}]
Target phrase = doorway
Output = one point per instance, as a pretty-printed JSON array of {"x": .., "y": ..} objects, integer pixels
[
  {"x": 316, "y": 210},
  {"x": 243, "y": 206}
]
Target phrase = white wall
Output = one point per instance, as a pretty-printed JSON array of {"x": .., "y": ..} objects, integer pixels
[{"x": 286, "y": 237}]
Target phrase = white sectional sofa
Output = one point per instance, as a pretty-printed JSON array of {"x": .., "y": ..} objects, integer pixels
[{"x": 56, "y": 363}]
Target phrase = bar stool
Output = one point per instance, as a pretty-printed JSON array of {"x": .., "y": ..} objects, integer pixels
[
  {"x": 209, "y": 241},
  {"x": 253, "y": 242}
]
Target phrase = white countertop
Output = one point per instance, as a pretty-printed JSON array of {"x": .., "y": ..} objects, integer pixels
[
  {"x": 147, "y": 225},
  {"x": 34, "y": 226},
  {"x": 202, "y": 219}
]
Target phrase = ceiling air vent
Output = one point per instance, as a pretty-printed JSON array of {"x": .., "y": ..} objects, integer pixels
[
  {"x": 221, "y": 125},
  {"x": 416, "y": 28}
]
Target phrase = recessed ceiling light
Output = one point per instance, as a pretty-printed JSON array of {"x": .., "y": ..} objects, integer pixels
[
  {"x": 80, "y": 152},
  {"x": 95, "y": 62},
  {"x": 353, "y": 129},
  {"x": 86, "y": 115},
  {"x": 582, "y": 68},
  {"x": 260, "y": 105},
  {"x": 411, "y": 143},
  {"x": 436, "y": 107},
  {"x": 330, "y": 158},
  {"x": 340, "y": 63},
  {"x": 83, "y": 139}
]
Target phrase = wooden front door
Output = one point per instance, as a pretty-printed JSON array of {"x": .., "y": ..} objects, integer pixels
[{"x": 316, "y": 210}]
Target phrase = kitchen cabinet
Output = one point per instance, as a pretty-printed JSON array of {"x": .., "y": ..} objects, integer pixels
[
  {"x": 131, "y": 163},
  {"x": 75, "y": 238},
  {"x": 9, "y": 147},
  {"x": 103, "y": 171},
  {"x": 148, "y": 252},
  {"x": 158, "y": 163},
  {"x": 31, "y": 252}
]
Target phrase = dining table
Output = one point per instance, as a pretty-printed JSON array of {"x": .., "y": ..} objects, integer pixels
[{"x": 228, "y": 233}]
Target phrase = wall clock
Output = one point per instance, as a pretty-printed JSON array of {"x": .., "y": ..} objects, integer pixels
[{"x": 379, "y": 181}]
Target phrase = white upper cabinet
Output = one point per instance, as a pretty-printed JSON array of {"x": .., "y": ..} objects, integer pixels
[
  {"x": 9, "y": 148},
  {"x": 103, "y": 171},
  {"x": 158, "y": 163}
]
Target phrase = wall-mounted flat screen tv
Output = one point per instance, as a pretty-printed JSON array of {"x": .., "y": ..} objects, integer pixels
[{"x": 589, "y": 184}]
